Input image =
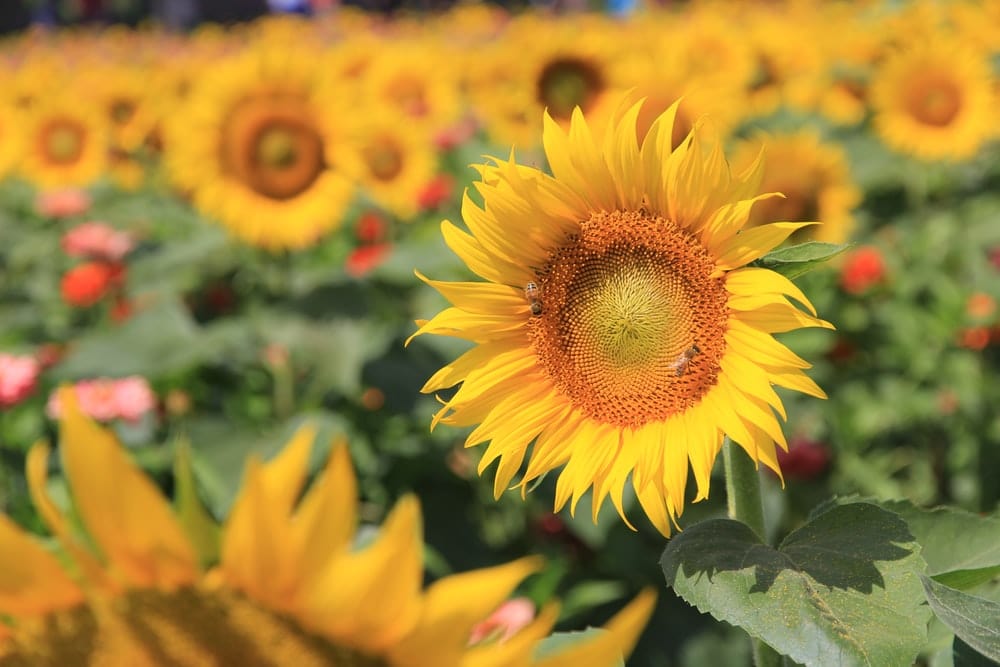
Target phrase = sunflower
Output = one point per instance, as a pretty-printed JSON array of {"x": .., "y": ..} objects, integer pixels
[
  {"x": 65, "y": 142},
  {"x": 258, "y": 150},
  {"x": 934, "y": 100},
  {"x": 412, "y": 78},
  {"x": 289, "y": 587},
  {"x": 10, "y": 137},
  {"x": 397, "y": 162},
  {"x": 619, "y": 331},
  {"x": 542, "y": 65},
  {"x": 814, "y": 178}
]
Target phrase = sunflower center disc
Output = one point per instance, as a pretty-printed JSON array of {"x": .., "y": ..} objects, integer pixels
[
  {"x": 937, "y": 103},
  {"x": 191, "y": 626},
  {"x": 384, "y": 159},
  {"x": 567, "y": 83},
  {"x": 64, "y": 143},
  {"x": 276, "y": 148},
  {"x": 273, "y": 146},
  {"x": 632, "y": 324}
]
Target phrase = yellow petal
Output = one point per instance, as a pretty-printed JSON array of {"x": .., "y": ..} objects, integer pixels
[
  {"x": 751, "y": 244},
  {"x": 31, "y": 579},
  {"x": 452, "y": 607},
  {"x": 325, "y": 522},
  {"x": 606, "y": 648},
  {"x": 371, "y": 599},
  {"x": 123, "y": 511}
]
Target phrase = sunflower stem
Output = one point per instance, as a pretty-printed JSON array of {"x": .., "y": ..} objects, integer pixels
[{"x": 743, "y": 496}]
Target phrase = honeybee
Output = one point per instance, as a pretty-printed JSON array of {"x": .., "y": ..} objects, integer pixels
[
  {"x": 533, "y": 295},
  {"x": 681, "y": 364}
]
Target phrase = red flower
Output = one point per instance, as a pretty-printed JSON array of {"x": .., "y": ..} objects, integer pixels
[
  {"x": 366, "y": 258},
  {"x": 370, "y": 228},
  {"x": 974, "y": 338},
  {"x": 805, "y": 459},
  {"x": 436, "y": 193},
  {"x": 862, "y": 269},
  {"x": 86, "y": 284}
]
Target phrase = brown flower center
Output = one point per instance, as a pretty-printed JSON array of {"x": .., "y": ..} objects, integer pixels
[
  {"x": 936, "y": 101},
  {"x": 122, "y": 111},
  {"x": 180, "y": 629},
  {"x": 632, "y": 323},
  {"x": 63, "y": 141},
  {"x": 273, "y": 146},
  {"x": 384, "y": 158},
  {"x": 567, "y": 83}
]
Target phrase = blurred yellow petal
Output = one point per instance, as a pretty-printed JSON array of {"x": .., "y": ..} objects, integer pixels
[
  {"x": 31, "y": 579},
  {"x": 140, "y": 538},
  {"x": 615, "y": 643}
]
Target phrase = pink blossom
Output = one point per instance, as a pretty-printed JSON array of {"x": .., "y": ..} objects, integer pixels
[
  {"x": 98, "y": 241},
  {"x": 18, "y": 378},
  {"x": 62, "y": 203},
  {"x": 106, "y": 399},
  {"x": 504, "y": 623},
  {"x": 134, "y": 398}
]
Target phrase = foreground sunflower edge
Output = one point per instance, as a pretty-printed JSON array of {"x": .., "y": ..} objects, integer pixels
[
  {"x": 289, "y": 587},
  {"x": 622, "y": 330}
]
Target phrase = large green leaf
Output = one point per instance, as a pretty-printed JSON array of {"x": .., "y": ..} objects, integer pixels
[
  {"x": 793, "y": 261},
  {"x": 161, "y": 339},
  {"x": 975, "y": 620},
  {"x": 841, "y": 590},
  {"x": 961, "y": 549}
]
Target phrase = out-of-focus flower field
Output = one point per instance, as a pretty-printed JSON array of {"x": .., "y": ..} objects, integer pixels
[{"x": 213, "y": 237}]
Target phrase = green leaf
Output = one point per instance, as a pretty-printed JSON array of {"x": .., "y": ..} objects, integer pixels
[
  {"x": 200, "y": 527},
  {"x": 962, "y": 549},
  {"x": 560, "y": 641},
  {"x": 841, "y": 590},
  {"x": 963, "y": 655},
  {"x": 793, "y": 261},
  {"x": 975, "y": 620},
  {"x": 159, "y": 340}
]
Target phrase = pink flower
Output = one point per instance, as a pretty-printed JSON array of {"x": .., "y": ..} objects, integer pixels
[
  {"x": 106, "y": 399},
  {"x": 504, "y": 623},
  {"x": 62, "y": 203},
  {"x": 134, "y": 398},
  {"x": 97, "y": 241},
  {"x": 18, "y": 378}
]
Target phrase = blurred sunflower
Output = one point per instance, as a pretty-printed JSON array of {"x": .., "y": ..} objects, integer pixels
[
  {"x": 289, "y": 587},
  {"x": 123, "y": 93},
  {"x": 257, "y": 149},
  {"x": 11, "y": 122},
  {"x": 542, "y": 65},
  {"x": 412, "y": 78},
  {"x": 65, "y": 141},
  {"x": 619, "y": 321},
  {"x": 396, "y": 161},
  {"x": 934, "y": 99},
  {"x": 814, "y": 178}
]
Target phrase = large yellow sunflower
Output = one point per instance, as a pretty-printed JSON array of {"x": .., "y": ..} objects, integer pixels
[
  {"x": 289, "y": 588},
  {"x": 814, "y": 178},
  {"x": 620, "y": 331},
  {"x": 934, "y": 99},
  {"x": 259, "y": 151},
  {"x": 65, "y": 141}
]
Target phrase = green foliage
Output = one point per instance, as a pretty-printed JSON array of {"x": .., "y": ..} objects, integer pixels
[
  {"x": 975, "y": 620},
  {"x": 811, "y": 598},
  {"x": 795, "y": 260}
]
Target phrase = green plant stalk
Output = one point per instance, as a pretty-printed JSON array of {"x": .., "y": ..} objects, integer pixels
[
  {"x": 743, "y": 497},
  {"x": 284, "y": 391}
]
